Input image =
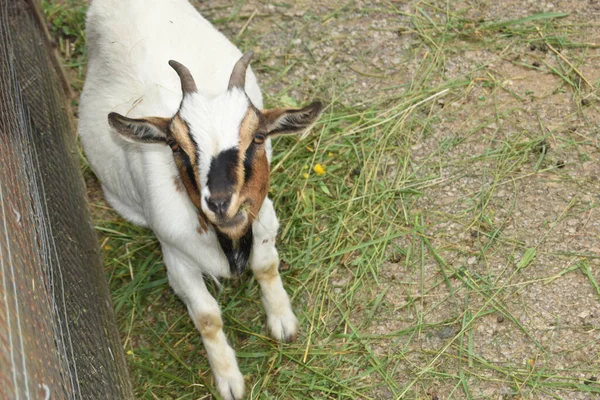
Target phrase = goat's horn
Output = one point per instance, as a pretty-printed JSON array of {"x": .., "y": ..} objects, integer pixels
[
  {"x": 187, "y": 81},
  {"x": 238, "y": 76}
]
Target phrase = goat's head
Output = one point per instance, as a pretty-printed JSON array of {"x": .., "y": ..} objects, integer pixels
[{"x": 218, "y": 146}]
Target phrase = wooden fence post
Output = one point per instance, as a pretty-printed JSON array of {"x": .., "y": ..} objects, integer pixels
[{"x": 58, "y": 337}]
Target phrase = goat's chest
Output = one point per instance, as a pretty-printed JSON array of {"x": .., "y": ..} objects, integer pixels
[
  {"x": 178, "y": 225},
  {"x": 195, "y": 244}
]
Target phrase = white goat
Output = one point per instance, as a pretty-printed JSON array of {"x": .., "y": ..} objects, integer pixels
[{"x": 191, "y": 158}]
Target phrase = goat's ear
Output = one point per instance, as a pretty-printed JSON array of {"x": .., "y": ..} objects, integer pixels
[
  {"x": 140, "y": 130},
  {"x": 287, "y": 121}
]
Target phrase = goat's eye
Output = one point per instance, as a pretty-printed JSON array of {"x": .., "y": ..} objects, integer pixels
[
  {"x": 174, "y": 145},
  {"x": 259, "y": 138}
]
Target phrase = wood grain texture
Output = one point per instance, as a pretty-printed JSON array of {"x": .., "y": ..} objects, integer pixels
[{"x": 58, "y": 336}]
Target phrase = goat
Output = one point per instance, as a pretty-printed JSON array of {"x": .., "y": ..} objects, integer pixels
[{"x": 183, "y": 147}]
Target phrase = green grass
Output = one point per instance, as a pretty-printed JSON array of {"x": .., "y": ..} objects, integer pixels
[
  {"x": 418, "y": 241},
  {"x": 67, "y": 24}
]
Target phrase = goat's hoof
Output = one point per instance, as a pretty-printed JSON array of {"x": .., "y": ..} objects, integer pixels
[
  {"x": 230, "y": 385},
  {"x": 284, "y": 328}
]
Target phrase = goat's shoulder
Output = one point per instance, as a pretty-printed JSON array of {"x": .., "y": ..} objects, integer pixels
[{"x": 166, "y": 201}]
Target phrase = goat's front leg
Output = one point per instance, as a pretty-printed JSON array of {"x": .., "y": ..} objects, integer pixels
[
  {"x": 188, "y": 283},
  {"x": 264, "y": 262}
]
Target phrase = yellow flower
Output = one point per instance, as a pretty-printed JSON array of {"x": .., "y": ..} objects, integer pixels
[
  {"x": 129, "y": 352},
  {"x": 319, "y": 170},
  {"x": 107, "y": 247},
  {"x": 330, "y": 154},
  {"x": 305, "y": 175}
]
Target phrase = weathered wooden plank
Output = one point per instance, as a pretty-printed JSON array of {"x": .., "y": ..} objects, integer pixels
[{"x": 57, "y": 329}]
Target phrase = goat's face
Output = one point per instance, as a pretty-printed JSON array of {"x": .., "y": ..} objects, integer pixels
[{"x": 218, "y": 146}]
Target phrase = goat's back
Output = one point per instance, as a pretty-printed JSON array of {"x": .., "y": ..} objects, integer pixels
[{"x": 131, "y": 41}]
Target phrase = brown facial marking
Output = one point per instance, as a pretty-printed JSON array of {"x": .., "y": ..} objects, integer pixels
[
  {"x": 255, "y": 189},
  {"x": 248, "y": 128},
  {"x": 209, "y": 325},
  {"x": 202, "y": 224},
  {"x": 190, "y": 186},
  {"x": 178, "y": 184},
  {"x": 180, "y": 132}
]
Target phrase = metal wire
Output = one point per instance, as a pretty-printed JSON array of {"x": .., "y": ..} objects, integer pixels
[{"x": 58, "y": 337}]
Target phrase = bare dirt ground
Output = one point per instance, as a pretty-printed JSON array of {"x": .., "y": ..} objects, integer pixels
[{"x": 499, "y": 271}]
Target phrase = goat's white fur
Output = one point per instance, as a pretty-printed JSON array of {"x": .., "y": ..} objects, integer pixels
[{"x": 130, "y": 43}]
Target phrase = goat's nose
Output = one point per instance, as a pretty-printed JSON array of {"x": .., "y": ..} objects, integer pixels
[{"x": 218, "y": 205}]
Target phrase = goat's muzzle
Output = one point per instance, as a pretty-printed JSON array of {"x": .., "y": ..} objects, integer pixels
[{"x": 223, "y": 215}]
